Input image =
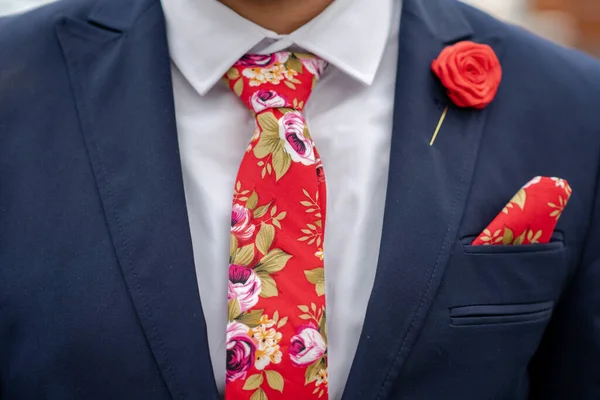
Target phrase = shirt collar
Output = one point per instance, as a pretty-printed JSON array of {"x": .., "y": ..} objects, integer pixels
[{"x": 206, "y": 38}]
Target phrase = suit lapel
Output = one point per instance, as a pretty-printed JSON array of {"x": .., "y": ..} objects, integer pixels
[
  {"x": 426, "y": 197},
  {"x": 118, "y": 64}
]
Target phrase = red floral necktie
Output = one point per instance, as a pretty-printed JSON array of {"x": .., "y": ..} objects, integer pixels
[{"x": 276, "y": 332}]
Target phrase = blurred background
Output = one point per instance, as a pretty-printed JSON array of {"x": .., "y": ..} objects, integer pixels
[{"x": 574, "y": 23}]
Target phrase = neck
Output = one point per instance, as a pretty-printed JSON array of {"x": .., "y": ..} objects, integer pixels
[{"x": 280, "y": 16}]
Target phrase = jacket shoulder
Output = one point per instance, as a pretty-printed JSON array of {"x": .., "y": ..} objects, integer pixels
[
  {"x": 555, "y": 86},
  {"x": 25, "y": 36},
  {"x": 33, "y": 72},
  {"x": 533, "y": 57}
]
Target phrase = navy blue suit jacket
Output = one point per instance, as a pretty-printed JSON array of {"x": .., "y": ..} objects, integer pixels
[{"x": 98, "y": 293}]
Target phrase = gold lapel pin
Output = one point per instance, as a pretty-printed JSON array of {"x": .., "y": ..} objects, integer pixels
[{"x": 439, "y": 126}]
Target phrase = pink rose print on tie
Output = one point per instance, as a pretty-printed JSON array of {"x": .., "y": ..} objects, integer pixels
[
  {"x": 263, "y": 60},
  {"x": 296, "y": 144},
  {"x": 241, "y": 225},
  {"x": 307, "y": 346},
  {"x": 320, "y": 172},
  {"x": 264, "y": 99},
  {"x": 240, "y": 351},
  {"x": 244, "y": 285},
  {"x": 315, "y": 66}
]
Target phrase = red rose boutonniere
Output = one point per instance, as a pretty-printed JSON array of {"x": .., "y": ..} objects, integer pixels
[{"x": 470, "y": 72}]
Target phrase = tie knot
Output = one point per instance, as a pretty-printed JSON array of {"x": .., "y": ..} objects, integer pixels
[{"x": 278, "y": 80}]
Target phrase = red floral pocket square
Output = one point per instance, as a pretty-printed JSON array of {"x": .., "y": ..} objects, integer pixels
[{"x": 531, "y": 215}]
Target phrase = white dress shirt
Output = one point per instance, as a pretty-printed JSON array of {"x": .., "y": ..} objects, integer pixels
[{"x": 350, "y": 118}]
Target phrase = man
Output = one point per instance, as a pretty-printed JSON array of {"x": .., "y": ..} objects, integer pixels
[{"x": 120, "y": 143}]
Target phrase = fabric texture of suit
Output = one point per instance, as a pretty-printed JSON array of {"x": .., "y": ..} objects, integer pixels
[{"x": 98, "y": 294}]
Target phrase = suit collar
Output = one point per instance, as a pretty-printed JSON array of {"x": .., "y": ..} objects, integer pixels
[
  {"x": 427, "y": 192},
  {"x": 443, "y": 18},
  {"x": 119, "y": 15},
  {"x": 118, "y": 65}
]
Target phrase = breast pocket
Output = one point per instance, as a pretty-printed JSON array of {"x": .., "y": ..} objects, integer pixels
[
  {"x": 495, "y": 303},
  {"x": 500, "y": 314},
  {"x": 505, "y": 284}
]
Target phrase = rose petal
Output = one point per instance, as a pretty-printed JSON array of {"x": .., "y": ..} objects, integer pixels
[{"x": 470, "y": 72}]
